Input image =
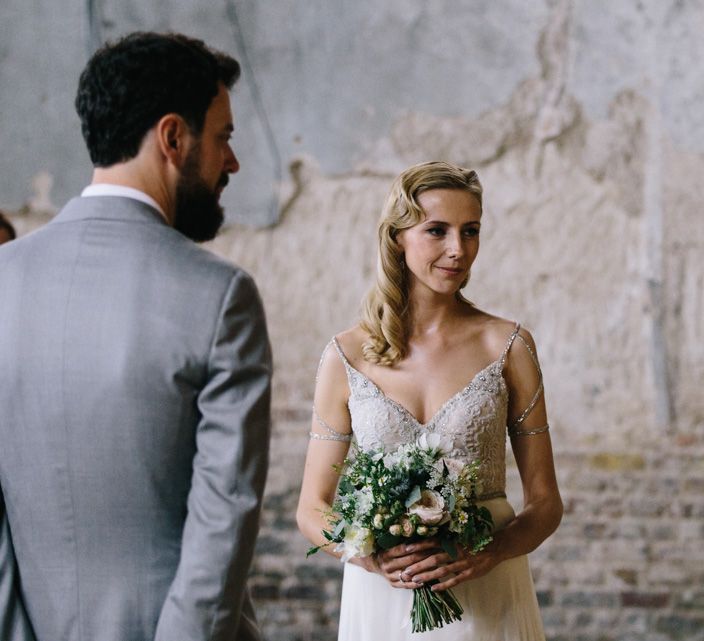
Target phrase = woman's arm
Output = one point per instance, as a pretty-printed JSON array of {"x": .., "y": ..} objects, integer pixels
[
  {"x": 325, "y": 451},
  {"x": 532, "y": 449},
  {"x": 320, "y": 478}
]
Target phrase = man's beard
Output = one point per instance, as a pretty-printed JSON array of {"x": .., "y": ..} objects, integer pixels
[{"x": 198, "y": 214}]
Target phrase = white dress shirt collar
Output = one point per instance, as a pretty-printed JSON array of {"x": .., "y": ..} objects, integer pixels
[{"x": 105, "y": 189}]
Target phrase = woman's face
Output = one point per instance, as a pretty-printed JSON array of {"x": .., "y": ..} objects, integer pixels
[{"x": 440, "y": 249}]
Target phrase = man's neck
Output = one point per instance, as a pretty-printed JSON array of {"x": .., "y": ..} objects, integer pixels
[{"x": 129, "y": 174}]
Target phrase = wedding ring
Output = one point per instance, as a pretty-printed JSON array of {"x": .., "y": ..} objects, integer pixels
[{"x": 400, "y": 576}]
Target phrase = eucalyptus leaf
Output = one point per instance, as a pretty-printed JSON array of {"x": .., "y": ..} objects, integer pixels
[
  {"x": 413, "y": 497},
  {"x": 339, "y": 529}
]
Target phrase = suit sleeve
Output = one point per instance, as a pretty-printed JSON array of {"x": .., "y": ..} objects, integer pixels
[
  {"x": 14, "y": 622},
  {"x": 229, "y": 470}
]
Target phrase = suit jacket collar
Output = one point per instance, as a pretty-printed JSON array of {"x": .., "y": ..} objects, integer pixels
[{"x": 109, "y": 208}]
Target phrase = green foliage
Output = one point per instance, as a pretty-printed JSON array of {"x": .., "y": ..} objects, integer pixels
[{"x": 384, "y": 499}]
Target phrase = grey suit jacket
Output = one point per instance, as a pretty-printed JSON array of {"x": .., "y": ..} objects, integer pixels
[{"x": 134, "y": 425}]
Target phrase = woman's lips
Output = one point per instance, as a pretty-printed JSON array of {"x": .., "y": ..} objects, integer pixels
[{"x": 450, "y": 271}]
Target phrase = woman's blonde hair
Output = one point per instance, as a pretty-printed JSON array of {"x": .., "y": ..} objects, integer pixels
[{"x": 385, "y": 308}]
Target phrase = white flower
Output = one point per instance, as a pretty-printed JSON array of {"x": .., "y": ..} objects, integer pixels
[
  {"x": 395, "y": 529},
  {"x": 455, "y": 467},
  {"x": 434, "y": 443},
  {"x": 430, "y": 508},
  {"x": 422, "y": 530},
  {"x": 364, "y": 500},
  {"x": 358, "y": 542},
  {"x": 378, "y": 521}
]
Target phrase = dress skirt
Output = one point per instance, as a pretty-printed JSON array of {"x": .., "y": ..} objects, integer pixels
[{"x": 500, "y": 606}]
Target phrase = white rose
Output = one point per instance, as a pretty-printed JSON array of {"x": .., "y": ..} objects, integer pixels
[
  {"x": 430, "y": 509},
  {"x": 395, "y": 529},
  {"x": 358, "y": 542},
  {"x": 434, "y": 443},
  {"x": 378, "y": 521}
]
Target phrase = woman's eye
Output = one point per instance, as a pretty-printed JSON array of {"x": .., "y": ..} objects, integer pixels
[
  {"x": 436, "y": 231},
  {"x": 472, "y": 231}
]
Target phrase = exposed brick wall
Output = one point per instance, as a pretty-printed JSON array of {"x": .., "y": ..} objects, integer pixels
[{"x": 626, "y": 564}]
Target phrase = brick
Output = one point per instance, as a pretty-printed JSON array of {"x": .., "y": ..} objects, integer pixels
[
  {"x": 264, "y": 592},
  {"x": 691, "y": 600},
  {"x": 682, "y": 628},
  {"x": 590, "y": 599},
  {"x": 649, "y": 507},
  {"x": 694, "y": 485},
  {"x": 617, "y": 462},
  {"x": 305, "y": 593},
  {"x": 315, "y": 572},
  {"x": 627, "y": 575},
  {"x": 567, "y": 552},
  {"x": 663, "y": 532},
  {"x": 595, "y": 530},
  {"x": 650, "y": 600}
]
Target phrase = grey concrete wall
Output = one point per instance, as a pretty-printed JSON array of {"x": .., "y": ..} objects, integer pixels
[{"x": 584, "y": 121}]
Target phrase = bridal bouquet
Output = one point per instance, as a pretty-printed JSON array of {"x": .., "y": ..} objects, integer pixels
[{"x": 411, "y": 494}]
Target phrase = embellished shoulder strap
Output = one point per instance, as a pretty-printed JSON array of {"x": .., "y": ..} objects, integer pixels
[
  {"x": 332, "y": 433},
  {"x": 343, "y": 358},
  {"x": 509, "y": 342},
  {"x": 514, "y": 428}
]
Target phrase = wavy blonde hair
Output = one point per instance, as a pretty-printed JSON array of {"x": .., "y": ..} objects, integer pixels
[{"x": 385, "y": 308}]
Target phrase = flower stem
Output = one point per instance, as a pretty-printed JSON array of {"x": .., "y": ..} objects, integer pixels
[{"x": 434, "y": 609}]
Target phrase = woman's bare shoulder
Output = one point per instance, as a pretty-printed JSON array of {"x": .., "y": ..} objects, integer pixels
[
  {"x": 350, "y": 342},
  {"x": 493, "y": 331}
]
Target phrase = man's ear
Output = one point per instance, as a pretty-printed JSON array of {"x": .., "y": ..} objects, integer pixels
[{"x": 173, "y": 138}]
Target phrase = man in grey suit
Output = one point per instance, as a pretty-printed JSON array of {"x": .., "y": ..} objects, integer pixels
[{"x": 134, "y": 374}]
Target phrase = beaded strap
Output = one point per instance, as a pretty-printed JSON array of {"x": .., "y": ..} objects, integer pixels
[
  {"x": 509, "y": 342},
  {"x": 333, "y": 434},
  {"x": 532, "y": 432},
  {"x": 513, "y": 428}
]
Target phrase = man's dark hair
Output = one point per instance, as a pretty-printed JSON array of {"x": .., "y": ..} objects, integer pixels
[
  {"x": 7, "y": 226},
  {"x": 128, "y": 85}
]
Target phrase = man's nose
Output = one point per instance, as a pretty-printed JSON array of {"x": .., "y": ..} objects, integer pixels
[{"x": 232, "y": 165}]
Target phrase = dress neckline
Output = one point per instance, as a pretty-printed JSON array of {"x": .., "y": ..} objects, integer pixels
[{"x": 402, "y": 408}]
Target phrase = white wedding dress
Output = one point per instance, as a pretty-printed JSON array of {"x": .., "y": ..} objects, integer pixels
[{"x": 500, "y": 606}]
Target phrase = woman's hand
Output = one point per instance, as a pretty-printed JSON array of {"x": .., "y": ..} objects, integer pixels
[
  {"x": 393, "y": 564},
  {"x": 450, "y": 572}
]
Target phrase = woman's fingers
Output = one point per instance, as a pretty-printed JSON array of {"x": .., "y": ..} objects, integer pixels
[
  {"x": 394, "y": 563},
  {"x": 450, "y": 573},
  {"x": 428, "y": 563},
  {"x": 405, "y": 549}
]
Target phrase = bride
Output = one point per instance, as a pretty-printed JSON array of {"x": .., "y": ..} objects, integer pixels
[{"x": 424, "y": 359}]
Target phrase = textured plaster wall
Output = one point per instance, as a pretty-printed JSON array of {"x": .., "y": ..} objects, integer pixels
[{"x": 584, "y": 121}]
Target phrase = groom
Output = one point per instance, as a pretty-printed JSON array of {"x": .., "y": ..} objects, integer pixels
[{"x": 134, "y": 374}]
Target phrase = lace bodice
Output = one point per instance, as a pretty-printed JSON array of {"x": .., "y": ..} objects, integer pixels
[{"x": 474, "y": 419}]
